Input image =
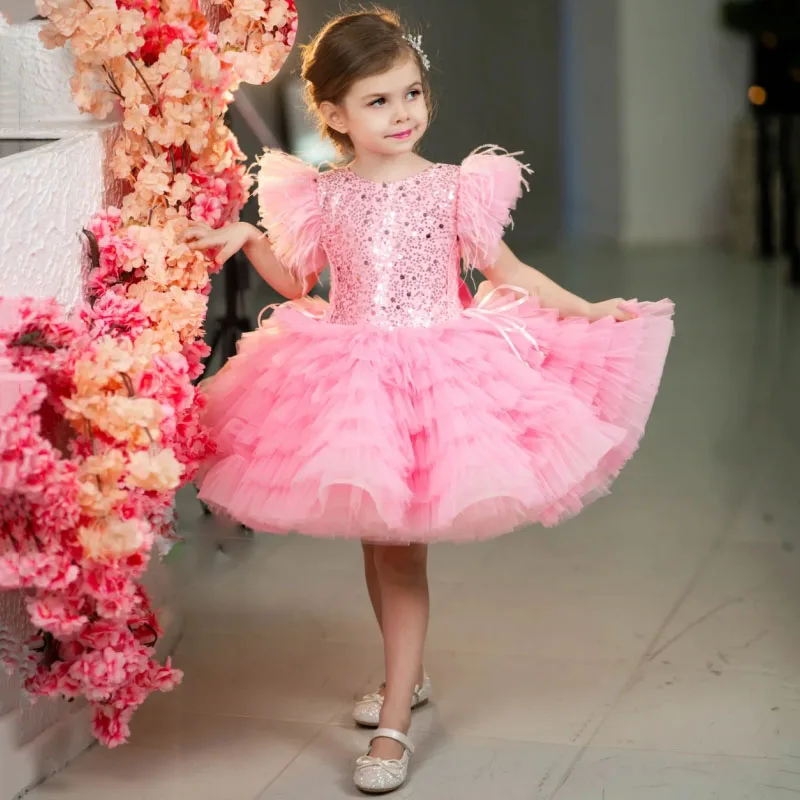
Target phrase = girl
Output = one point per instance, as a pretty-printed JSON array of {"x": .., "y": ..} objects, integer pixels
[{"x": 394, "y": 414}]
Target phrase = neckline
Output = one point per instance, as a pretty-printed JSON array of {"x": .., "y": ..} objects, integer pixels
[{"x": 396, "y": 182}]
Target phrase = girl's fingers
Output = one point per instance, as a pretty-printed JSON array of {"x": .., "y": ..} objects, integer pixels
[
  {"x": 621, "y": 315},
  {"x": 212, "y": 240},
  {"x": 198, "y": 231}
]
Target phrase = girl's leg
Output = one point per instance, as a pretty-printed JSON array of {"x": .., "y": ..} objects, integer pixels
[
  {"x": 402, "y": 573},
  {"x": 374, "y": 591},
  {"x": 371, "y": 574}
]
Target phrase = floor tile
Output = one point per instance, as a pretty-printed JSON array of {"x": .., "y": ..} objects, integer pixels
[
  {"x": 518, "y": 697},
  {"x": 192, "y": 757},
  {"x": 443, "y": 768},
  {"x": 643, "y": 775},
  {"x": 706, "y": 711}
]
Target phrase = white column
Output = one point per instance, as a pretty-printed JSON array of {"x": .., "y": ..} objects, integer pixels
[{"x": 653, "y": 96}]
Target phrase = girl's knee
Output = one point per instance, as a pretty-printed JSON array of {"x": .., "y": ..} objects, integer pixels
[{"x": 406, "y": 561}]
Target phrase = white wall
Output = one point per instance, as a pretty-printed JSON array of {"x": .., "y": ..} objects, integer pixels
[
  {"x": 663, "y": 109},
  {"x": 683, "y": 87}
]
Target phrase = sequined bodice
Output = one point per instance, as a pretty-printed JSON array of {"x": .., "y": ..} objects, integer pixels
[{"x": 392, "y": 248}]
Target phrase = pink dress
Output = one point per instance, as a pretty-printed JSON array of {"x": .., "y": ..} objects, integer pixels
[{"x": 394, "y": 414}]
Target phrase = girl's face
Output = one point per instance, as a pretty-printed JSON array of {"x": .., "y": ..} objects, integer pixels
[{"x": 385, "y": 114}]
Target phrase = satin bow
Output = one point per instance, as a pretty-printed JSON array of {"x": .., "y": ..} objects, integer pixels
[{"x": 501, "y": 319}]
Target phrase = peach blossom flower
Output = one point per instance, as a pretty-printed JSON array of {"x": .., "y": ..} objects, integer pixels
[
  {"x": 136, "y": 207},
  {"x": 130, "y": 419},
  {"x": 99, "y": 502},
  {"x": 133, "y": 91},
  {"x": 180, "y": 191},
  {"x": 176, "y": 84},
  {"x": 190, "y": 267},
  {"x": 177, "y": 309},
  {"x": 276, "y": 15},
  {"x": 51, "y": 37},
  {"x": 64, "y": 15},
  {"x": 251, "y": 9},
  {"x": 159, "y": 473},
  {"x": 206, "y": 65},
  {"x": 113, "y": 538},
  {"x": 172, "y": 59},
  {"x": 160, "y": 340},
  {"x": 159, "y": 275},
  {"x": 136, "y": 118},
  {"x": 154, "y": 177},
  {"x": 107, "y": 467}
]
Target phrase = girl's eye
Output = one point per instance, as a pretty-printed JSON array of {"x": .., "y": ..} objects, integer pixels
[
  {"x": 414, "y": 94},
  {"x": 378, "y": 103}
]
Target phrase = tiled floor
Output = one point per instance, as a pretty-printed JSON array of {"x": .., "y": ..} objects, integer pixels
[{"x": 648, "y": 650}]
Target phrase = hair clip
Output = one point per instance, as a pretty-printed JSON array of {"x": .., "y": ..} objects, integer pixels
[{"x": 416, "y": 43}]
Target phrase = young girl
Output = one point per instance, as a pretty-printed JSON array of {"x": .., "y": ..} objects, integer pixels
[{"x": 395, "y": 415}]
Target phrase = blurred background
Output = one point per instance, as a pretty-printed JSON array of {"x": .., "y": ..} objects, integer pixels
[
  {"x": 650, "y": 124},
  {"x": 628, "y": 110}
]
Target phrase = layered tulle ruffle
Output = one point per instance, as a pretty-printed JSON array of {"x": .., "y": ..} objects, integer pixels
[{"x": 428, "y": 434}]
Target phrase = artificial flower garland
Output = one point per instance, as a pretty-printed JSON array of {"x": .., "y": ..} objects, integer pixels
[{"x": 104, "y": 425}]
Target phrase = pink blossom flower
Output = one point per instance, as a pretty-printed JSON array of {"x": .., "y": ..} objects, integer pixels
[
  {"x": 100, "y": 672},
  {"x": 110, "y": 726},
  {"x": 105, "y": 224},
  {"x": 52, "y": 681},
  {"x": 206, "y": 208},
  {"x": 53, "y": 571},
  {"x": 106, "y": 633},
  {"x": 194, "y": 353},
  {"x": 164, "y": 679},
  {"x": 70, "y": 650},
  {"x": 115, "y": 314},
  {"x": 105, "y": 583},
  {"x": 43, "y": 682},
  {"x": 56, "y": 614}
]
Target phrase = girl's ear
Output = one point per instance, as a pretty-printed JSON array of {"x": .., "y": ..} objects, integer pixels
[{"x": 334, "y": 117}]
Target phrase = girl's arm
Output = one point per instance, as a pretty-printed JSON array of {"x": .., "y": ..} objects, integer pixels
[
  {"x": 256, "y": 246},
  {"x": 508, "y": 269}
]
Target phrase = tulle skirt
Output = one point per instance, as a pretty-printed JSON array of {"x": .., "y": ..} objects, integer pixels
[{"x": 459, "y": 432}]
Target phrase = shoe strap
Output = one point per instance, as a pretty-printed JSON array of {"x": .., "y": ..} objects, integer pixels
[{"x": 390, "y": 733}]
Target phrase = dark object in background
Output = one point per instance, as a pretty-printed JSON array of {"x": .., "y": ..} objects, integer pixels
[
  {"x": 234, "y": 322},
  {"x": 774, "y": 28}
]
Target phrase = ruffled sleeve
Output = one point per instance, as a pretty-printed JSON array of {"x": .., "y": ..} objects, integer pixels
[
  {"x": 290, "y": 211},
  {"x": 490, "y": 184}
]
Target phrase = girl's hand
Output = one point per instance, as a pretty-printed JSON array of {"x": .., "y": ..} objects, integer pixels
[
  {"x": 610, "y": 308},
  {"x": 229, "y": 239}
]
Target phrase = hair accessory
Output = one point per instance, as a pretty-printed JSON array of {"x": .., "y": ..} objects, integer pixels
[{"x": 416, "y": 43}]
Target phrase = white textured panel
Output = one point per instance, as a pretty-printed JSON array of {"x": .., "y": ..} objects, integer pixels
[
  {"x": 34, "y": 82},
  {"x": 35, "y": 718},
  {"x": 48, "y": 196}
]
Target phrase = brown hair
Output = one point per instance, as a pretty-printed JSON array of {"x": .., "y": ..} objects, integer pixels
[{"x": 348, "y": 49}]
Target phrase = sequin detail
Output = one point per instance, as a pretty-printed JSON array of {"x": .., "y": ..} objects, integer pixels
[{"x": 392, "y": 248}]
